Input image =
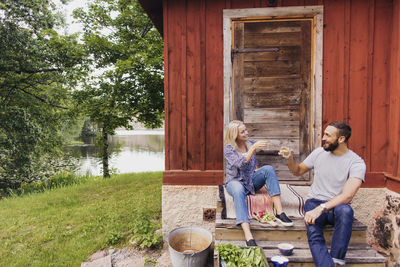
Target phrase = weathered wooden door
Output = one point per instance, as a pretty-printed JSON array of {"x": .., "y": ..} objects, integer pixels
[{"x": 271, "y": 81}]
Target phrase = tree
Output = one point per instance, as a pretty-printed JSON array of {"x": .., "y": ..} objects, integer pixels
[
  {"x": 128, "y": 52},
  {"x": 38, "y": 70}
]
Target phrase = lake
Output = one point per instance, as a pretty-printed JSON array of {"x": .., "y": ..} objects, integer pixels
[{"x": 139, "y": 151}]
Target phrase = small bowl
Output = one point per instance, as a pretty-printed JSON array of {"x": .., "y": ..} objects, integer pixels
[
  {"x": 279, "y": 261},
  {"x": 285, "y": 248}
]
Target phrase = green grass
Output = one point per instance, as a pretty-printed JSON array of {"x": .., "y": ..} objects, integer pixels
[{"x": 64, "y": 226}]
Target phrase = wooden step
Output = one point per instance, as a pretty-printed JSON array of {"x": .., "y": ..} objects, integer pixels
[
  {"x": 358, "y": 254},
  {"x": 226, "y": 229}
]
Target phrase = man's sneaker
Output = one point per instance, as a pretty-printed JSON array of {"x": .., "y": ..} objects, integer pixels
[
  {"x": 251, "y": 243},
  {"x": 283, "y": 219}
]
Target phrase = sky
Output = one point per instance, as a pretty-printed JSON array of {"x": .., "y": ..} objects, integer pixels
[{"x": 67, "y": 11}]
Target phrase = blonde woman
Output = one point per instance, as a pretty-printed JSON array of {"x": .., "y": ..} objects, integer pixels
[{"x": 243, "y": 177}]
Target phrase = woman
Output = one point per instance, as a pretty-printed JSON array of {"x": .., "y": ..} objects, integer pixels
[{"x": 244, "y": 177}]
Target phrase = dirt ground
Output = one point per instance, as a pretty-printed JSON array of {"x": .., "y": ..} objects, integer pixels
[
  {"x": 134, "y": 257},
  {"x": 130, "y": 257}
]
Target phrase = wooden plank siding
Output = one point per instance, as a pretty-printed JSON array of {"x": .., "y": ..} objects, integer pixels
[
  {"x": 214, "y": 85},
  {"x": 194, "y": 99},
  {"x": 195, "y": 86},
  {"x": 175, "y": 112},
  {"x": 358, "y": 98},
  {"x": 380, "y": 87},
  {"x": 361, "y": 63},
  {"x": 393, "y": 157}
]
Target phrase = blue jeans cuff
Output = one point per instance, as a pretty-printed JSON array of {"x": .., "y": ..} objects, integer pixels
[{"x": 241, "y": 221}]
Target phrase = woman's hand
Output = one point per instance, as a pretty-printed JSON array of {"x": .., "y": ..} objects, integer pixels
[
  {"x": 285, "y": 152},
  {"x": 260, "y": 145},
  {"x": 256, "y": 146}
]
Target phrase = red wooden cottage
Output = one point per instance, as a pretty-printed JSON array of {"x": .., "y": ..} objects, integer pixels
[{"x": 286, "y": 68}]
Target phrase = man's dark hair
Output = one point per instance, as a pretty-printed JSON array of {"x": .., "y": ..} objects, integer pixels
[{"x": 344, "y": 129}]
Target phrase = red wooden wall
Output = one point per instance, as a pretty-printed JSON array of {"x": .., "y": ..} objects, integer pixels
[
  {"x": 360, "y": 83},
  {"x": 393, "y": 153}
]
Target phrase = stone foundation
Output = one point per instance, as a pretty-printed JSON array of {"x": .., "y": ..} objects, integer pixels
[
  {"x": 184, "y": 206},
  {"x": 379, "y": 209},
  {"x": 366, "y": 203},
  {"x": 386, "y": 228}
]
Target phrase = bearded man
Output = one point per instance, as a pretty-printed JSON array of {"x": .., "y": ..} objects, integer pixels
[{"x": 338, "y": 174}]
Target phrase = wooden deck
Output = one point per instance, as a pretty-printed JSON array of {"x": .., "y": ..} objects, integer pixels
[
  {"x": 359, "y": 254},
  {"x": 228, "y": 230}
]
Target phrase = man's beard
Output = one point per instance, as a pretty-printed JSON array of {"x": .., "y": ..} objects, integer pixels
[{"x": 331, "y": 147}]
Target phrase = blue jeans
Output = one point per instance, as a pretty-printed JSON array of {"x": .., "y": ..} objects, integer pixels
[
  {"x": 341, "y": 217},
  {"x": 263, "y": 176}
]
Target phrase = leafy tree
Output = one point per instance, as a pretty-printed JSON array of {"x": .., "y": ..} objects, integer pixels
[
  {"x": 38, "y": 69},
  {"x": 127, "y": 51}
]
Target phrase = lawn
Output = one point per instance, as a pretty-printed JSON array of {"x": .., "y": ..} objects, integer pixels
[{"x": 64, "y": 226}]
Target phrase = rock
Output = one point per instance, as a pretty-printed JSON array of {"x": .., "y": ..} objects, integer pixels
[
  {"x": 101, "y": 262},
  {"x": 130, "y": 257},
  {"x": 164, "y": 260},
  {"x": 117, "y": 257},
  {"x": 386, "y": 228},
  {"x": 97, "y": 255},
  {"x": 133, "y": 261}
]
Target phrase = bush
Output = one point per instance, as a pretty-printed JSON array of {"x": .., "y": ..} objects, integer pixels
[
  {"x": 144, "y": 234},
  {"x": 114, "y": 238},
  {"x": 57, "y": 180},
  {"x": 31, "y": 147}
]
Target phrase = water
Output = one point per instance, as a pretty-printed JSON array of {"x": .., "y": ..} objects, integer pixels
[{"x": 139, "y": 151}]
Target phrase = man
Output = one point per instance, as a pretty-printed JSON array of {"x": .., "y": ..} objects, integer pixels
[{"x": 338, "y": 174}]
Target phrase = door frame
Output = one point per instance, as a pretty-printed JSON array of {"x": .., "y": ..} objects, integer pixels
[{"x": 314, "y": 12}]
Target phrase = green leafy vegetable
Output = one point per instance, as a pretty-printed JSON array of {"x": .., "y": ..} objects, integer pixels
[
  {"x": 269, "y": 216},
  {"x": 235, "y": 256}
]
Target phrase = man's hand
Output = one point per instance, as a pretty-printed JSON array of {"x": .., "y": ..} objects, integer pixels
[
  {"x": 285, "y": 152},
  {"x": 312, "y": 215},
  {"x": 295, "y": 169}
]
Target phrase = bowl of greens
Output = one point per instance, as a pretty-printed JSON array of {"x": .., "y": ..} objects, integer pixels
[{"x": 232, "y": 255}]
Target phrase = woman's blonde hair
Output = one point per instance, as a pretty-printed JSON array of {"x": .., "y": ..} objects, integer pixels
[{"x": 232, "y": 132}]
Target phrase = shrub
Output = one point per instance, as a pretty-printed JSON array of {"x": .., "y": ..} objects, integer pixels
[
  {"x": 57, "y": 180},
  {"x": 144, "y": 234},
  {"x": 114, "y": 238}
]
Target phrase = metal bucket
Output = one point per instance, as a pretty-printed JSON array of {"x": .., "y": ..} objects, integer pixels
[{"x": 189, "y": 246}]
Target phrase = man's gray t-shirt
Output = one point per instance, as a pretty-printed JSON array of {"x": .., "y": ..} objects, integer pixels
[{"x": 331, "y": 172}]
